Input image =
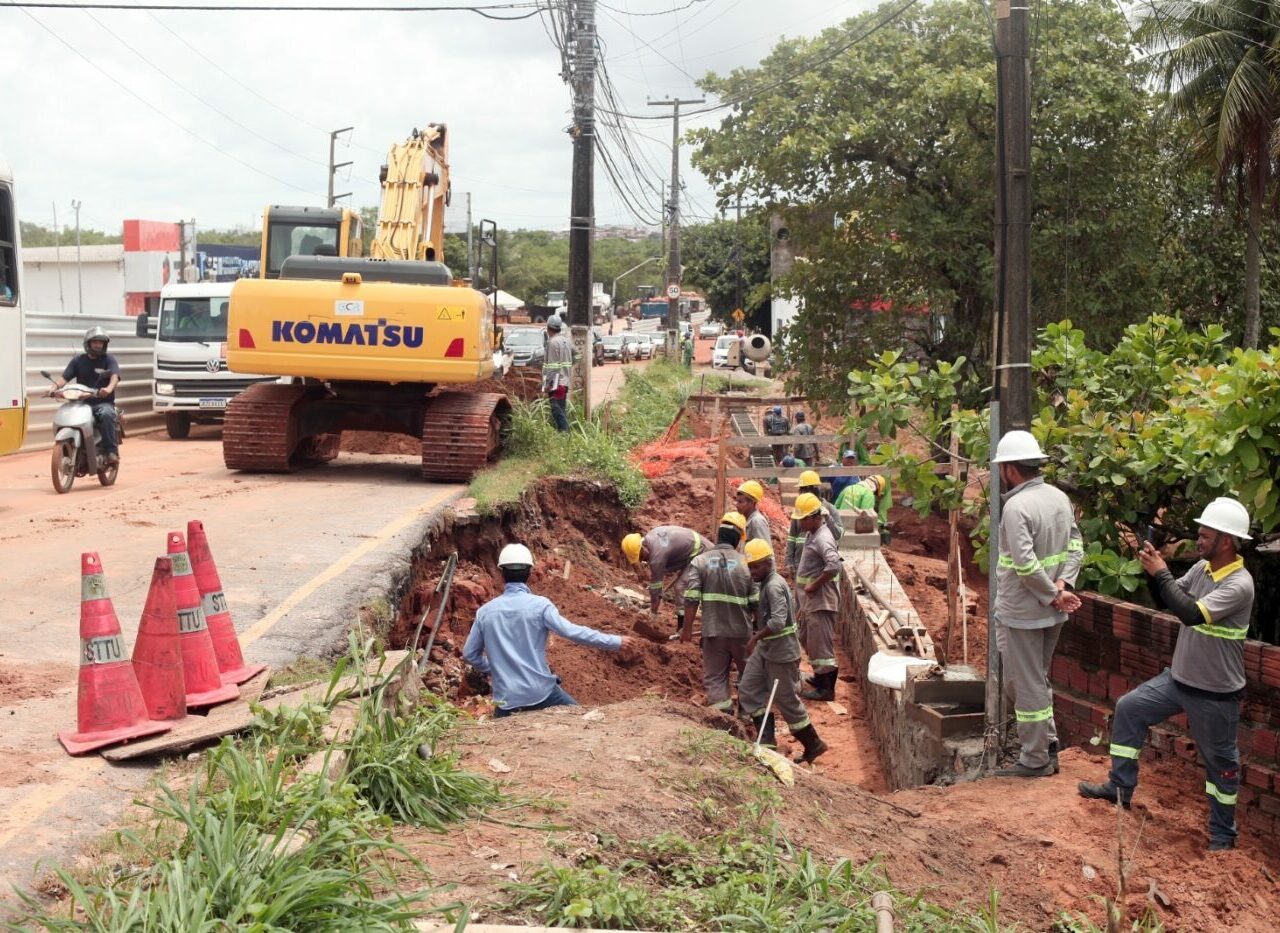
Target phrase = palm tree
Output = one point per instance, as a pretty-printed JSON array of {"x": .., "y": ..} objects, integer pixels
[{"x": 1220, "y": 65}]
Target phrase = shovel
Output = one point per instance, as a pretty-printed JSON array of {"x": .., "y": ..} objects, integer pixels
[{"x": 776, "y": 763}]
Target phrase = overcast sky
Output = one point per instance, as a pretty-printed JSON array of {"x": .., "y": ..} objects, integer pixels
[{"x": 139, "y": 125}]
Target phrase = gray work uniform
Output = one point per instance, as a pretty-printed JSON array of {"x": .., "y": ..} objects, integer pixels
[
  {"x": 1039, "y": 544},
  {"x": 818, "y": 611},
  {"x": 1205, "y": 682},
  {"x": 777, "y": 657},
  {"x": 671, "y": 547},
  {"x": 758, "y": 527},
  {"x": 720, "y": 581},
  {"x": 795, "y": 537},
  {"x": 557, "y": 367}
]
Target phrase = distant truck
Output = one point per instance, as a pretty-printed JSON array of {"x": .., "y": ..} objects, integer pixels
[{"x": 191, "y": 383}]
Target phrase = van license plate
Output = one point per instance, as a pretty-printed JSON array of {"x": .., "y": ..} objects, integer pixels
[{"x": 213, "y": 403}]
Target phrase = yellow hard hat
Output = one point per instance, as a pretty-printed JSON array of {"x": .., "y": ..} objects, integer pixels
[
  {"x": 875, "y": 482},
  {"x": 810, "y": 478},
  {"x": 753, "y": 489},
  {"x": 758, "y": 549},
  {"x": 631, "y": 547},
  {"x": 736, "y": 519},
  {"x": 806, "y": 504}
]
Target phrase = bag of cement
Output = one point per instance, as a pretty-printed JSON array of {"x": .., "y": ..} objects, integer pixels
[
  {"x": 890, "y": 670},
  {"x": 865, "y": 521}
]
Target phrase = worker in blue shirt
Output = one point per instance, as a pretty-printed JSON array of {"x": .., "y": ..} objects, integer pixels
[{"x": 508, "y": 640}]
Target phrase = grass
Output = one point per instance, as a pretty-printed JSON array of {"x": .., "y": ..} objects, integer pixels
[
  {"x": 647, "y": 403},
  {"x": 748, "y": 385}
]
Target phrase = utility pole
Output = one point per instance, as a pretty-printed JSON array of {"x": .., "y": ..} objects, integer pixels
[
  {"x": 471, "y": 250},
  {"x": 582, "y": 201},
  {"x": 1011, "y": 330},
  {"x": 57, "y": 247},
  {"x": 673, "y": 249},
  {"x": 334, "y": 166},
  {"x": 737, "y": 253},
  {"x": 75, "y": 206},
  {"x": 662, "y": 188}
]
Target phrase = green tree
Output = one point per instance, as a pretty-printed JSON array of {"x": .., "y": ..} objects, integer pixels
[
  {"x": 1219, "y": 69},
  {"x": 34, "y": 234},
  {"x": 238, "y": 237},
  {"x": 710, "y": 252},
  {"x": 880, "y": 159}
]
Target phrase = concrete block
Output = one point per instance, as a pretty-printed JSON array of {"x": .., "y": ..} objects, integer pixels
[{"x": 853, "y": 540}]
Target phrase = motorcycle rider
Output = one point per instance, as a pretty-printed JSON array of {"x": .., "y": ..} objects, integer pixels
[{"x": 97, "y": 369}]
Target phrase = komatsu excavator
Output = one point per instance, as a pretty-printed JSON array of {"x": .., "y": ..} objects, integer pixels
[{"x": 370, "y": 342}]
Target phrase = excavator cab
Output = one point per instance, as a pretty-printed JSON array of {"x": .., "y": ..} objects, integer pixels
[{"x": 307, "y": 231}]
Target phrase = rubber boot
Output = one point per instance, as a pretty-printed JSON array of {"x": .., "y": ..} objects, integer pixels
[
  {"x": 813, "y": 745},
  {"x": 764, "y": 729},
  {"x": 824, "y": 686},
  {"x": 1053, "y": 756},
  {"x": 1104, "y": 791}
]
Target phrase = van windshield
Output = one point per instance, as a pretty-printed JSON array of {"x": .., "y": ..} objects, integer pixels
[
  {"x": 194, "y": 320},
  {"x": 727, "y": 340}
]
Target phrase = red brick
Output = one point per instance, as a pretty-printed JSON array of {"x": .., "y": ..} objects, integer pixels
[
  {"x": 1100, "y": 716},
  {"x": 1184, "y": 748},
  {"x": 1162, "y": 739},
  {"x": 1117, "y": 686},
  {"x": 1180, "y": 721},
  {"x": 1247, "y": 797},
  {"x": 1244, "y": 739},
  {"x": 1098, "y": 685},
  {"x": 1269, "y": 804},
  {"x": 1265, "y": 742},
  {"x": 1058, "y": 670},
  {"x": 1078, "y": 680},
  {"x": 1257, "y": 776},
  {"x": 1148, "y": 754}
]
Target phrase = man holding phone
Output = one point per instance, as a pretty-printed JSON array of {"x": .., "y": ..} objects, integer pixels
[{"x": 1213, "y": 601}]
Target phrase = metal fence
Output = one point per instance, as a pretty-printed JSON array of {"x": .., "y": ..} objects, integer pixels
[{"x": 52, "y": 339}]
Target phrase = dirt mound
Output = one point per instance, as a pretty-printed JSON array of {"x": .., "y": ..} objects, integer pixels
[{"x": 380, "y": 442}]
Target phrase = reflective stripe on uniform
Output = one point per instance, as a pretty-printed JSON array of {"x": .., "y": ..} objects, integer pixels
[
  {"x": 1124, "y": 751},
  {"x": 1042, "y": 563},
  {"x": 1021, "y": 570},
  {"x": 804, "y": 581},
  {"x": 723, "y": 704},
  {"x": 693, "y": 595},
  {"x": 789, "y": 630},
  {"x": 798, "y": 725},
  {"x": 656, "y": 586},
  {"x": 1035, "y": 715},
  {"x": 723, "y": 598},
  {"x": 822, "y": 662},
  {"x": 697, "y": 547},
  {"x": 1227, "y": 800},
  {"x": 1229, "y": 632}
]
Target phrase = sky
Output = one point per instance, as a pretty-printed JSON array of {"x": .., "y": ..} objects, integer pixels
[{"x": 211, "y": 115}]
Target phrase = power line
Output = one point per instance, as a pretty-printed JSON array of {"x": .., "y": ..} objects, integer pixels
[
  {"x": 605, "y": 6},
  {"x": 533, "y": 7}
]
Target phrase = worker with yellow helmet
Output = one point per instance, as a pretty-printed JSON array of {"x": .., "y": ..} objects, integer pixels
[
  {"x": 773, "y": 654},
  {"x": 870, "y": 494},
  {"x": 720, "y": 584},
  {"x": 817, "y": 596},
  {"x": 667, "y": 550},
  {"x": 810, "y": 482},
  {"x": 747, "y": 498}
]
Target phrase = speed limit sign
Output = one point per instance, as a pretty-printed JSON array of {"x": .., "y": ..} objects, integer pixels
[{"x": 673, "y": 290}]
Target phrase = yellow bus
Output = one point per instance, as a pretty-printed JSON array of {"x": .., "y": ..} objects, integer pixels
[{"x": 13, "y": 364}]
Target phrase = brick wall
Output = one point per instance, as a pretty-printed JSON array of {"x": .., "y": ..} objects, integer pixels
[{"x": 1110, "y": 646}]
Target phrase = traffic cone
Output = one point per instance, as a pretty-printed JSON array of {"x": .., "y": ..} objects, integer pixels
[
  {"x": 157, "y": 654},
  {"x": 199, "y": 663},
  {"x": 226, "y": 645},
  {"x": 110, "y": 707}
]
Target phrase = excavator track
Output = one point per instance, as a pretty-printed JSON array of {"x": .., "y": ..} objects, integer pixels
[
  {"x": 259, "y": 433},
  {"x": 461, "y": 432}
]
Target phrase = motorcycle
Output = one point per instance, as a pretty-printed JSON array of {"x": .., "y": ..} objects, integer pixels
[{"x": 77, "y": 442}]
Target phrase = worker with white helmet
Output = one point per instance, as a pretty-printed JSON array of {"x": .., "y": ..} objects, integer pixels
[
  {"x": 508, "y": 640},
  {"x": 1041, "y": 553},
  {"x": 557, "y": 371},
  {"x": 1213, "y": 600}
]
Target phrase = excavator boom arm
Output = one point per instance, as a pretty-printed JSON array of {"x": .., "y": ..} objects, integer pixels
[{"x": 415, "y": 191}]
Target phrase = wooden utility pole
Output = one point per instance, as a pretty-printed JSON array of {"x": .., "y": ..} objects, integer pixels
[
  {"x": 334, "y": 166},
  {"x": 582, "y": 202},
  {"x": 1013, "y": 216},
  {"x": 673, "y": 210}
]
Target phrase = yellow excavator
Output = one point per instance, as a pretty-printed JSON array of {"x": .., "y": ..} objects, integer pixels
[{"x": 372, "y": 344}]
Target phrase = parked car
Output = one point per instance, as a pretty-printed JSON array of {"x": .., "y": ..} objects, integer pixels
[
  {"x": 644, "y": 346},
  {"x": 632, "y": 343},
  {"x": 614, "y": 348},
  {"x": 527, "y": 347},
  {"x": 720, "y": 353},
  {"x": 711, "y": 329}
]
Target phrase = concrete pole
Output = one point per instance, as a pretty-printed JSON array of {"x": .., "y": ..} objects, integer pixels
[
  {"x": 471, "y": 250},
  {"x": 673, "y": 247},
  {"x": 57, "y": 251},
  {"x": 582, "y": 200},
  {"x": 75, "y": 206},
  {"x": 334, "y": 166}
]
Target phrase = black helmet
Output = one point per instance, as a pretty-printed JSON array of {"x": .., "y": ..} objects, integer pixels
[{"x": 96, "y": 333}]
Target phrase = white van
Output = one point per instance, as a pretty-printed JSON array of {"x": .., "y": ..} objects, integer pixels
[{"x": 191, "y": 382}]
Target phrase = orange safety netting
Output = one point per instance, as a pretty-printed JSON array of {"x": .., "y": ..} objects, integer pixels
[
  {"x": 656, "y": 458},
  {"x": 773, "y": 510}
]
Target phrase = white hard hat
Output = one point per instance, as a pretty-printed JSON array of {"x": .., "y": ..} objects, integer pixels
[
  {"x": 515, "y": 555},
  {"x": 1017, "y": 446},
  {"x": 1228, "y": 515}
]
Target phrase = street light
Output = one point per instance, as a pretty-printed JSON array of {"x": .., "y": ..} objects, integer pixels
[{"x": 614, "y": 293}]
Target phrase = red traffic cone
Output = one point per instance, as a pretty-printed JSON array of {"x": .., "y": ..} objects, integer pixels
[
  {"x": 157, "y": 654},
  {"x": 199, "y": 664},
  {"x": 226, "y": 645},
  {"x": 110, "y": 708}
]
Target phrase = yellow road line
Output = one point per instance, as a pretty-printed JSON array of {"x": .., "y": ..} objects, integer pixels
[
  {"x": 338, "y": 567},
  {"x": 43, "y": 798}
]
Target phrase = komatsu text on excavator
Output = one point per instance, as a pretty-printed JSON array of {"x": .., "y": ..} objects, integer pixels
[{"x": 369, "y": 342}]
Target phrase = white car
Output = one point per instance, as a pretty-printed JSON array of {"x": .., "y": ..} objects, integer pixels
[
  {"x": 711, "y": 329},
  {"x": 645, "y": 346},
  {"x": 720, "y": 354}
]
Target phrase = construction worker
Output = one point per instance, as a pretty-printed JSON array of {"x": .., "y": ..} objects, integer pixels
[
  {"x": 777, "y": 424},
  {"x": 871, "y": 493},
  {"x": 508, "y": 640},
  {"x": 667, "y": 549},
  {"x": 1040, "y": 557},
  {"x": 773, "y": 654},
  {"x": 838, "y": 483},
  {"x": 720, "y": 582},
  {"x": 748, "y": 498},
  {"x": 557, "y": 372},
  {"x": 817, "y": 595},
  {"x": 812, "y": 484},
  {"x": 804, "y": 451},
  {"x": 1213, "y": 600}
]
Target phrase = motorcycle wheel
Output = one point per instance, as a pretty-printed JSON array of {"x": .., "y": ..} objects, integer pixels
[
  {"x": 62, "y": 466},
  {"x": 107, "y": 475}
]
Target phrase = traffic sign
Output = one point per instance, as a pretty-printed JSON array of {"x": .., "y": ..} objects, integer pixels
[
  {"x": 673, "y": 290},
  {"x": 738, "y": 315}
]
